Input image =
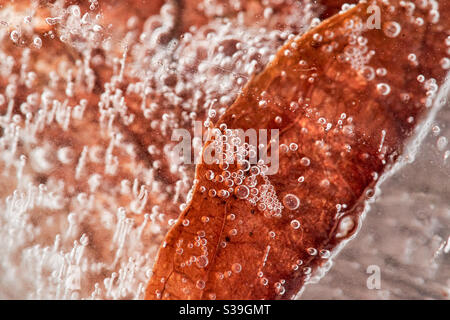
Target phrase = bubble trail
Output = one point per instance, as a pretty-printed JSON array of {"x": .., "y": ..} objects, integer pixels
[{"x": 344, "y": 158}]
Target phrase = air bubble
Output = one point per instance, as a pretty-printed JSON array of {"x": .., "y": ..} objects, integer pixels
[
  {"x": 317, "y": 37},
  {"x": 412, "y": 57},
  {"x": 236, "y": 268},
  {"x": 200, "y": 284},
  {"x": 368, "y": 73},
  {"x": 392, "y": 29},
  {"x": 241, "y": 192},
  {"x": 209, "y": 174},
  {"x": 325, "y": 254},
  {"x": 436, "y": 130},
  {"x": 445, "y": 63},
  {"x": 212, "y": 113},
  {"x": 383, "y": 89},
  {"x": 202, "y": 261},
  {"x": 291, "y": 201},
  {"x": 37, "y": 42},
  {"x": 305, "y": 161},
  {"x": 231, "y": 217},
  {"x": 262, "y": 103},
  {"x": 14, "y": 36},
  {"x": 295, "y": 224},
  {"x": 419, "y": 21},
  {"x": 442, "y": 143}
]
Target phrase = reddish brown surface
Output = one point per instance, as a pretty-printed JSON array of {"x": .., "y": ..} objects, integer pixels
[
  {"x": 331, "y": 7},
  {"x": 345, "y": 160}
]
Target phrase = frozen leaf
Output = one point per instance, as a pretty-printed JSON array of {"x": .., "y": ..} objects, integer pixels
[{"x": 348, "y": 99}]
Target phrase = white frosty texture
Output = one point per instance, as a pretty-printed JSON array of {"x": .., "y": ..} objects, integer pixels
[{"x": 60, "y": 243}]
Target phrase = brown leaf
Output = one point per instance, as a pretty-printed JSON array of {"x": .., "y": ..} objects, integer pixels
[
  {"x": 346, "y": 100},
  {"x": 331, "y": 7}
]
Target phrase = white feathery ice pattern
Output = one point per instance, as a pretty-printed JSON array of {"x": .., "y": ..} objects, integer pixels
[{"x": 64, "y": 242}]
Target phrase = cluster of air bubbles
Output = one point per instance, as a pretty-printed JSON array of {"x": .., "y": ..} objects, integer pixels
[
  {"x": 240, "y": 173},
  {"x": 197, "y": 242},
  {"x": 441, "y": 141},
  {"x": 357, "y": 54}
]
